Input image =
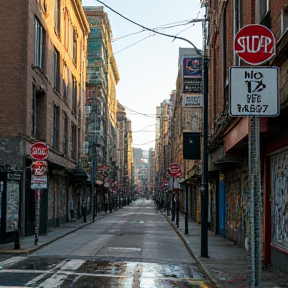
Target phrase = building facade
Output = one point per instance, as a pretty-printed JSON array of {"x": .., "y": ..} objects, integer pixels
[
  {"x": 101, "y": 106},
  {"x": 42, "y": 86},
  {"x": 230, "y": 137}
]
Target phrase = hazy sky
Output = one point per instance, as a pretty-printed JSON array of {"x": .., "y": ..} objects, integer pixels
[{"x": 147, "y": 62}]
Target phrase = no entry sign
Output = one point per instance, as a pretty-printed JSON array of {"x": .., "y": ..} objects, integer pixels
[{"x": 255, "y": 44}]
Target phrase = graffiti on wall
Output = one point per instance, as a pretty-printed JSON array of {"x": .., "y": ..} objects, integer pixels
[{"x": 279, "y": 175}]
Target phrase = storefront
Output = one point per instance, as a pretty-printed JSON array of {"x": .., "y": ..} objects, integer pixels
[{"x": 10, "y": 183}]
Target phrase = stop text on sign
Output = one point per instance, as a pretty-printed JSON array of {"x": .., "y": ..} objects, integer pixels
[
  {"x": 39, "y": 151},
  {"x": 255, "y": 44}
]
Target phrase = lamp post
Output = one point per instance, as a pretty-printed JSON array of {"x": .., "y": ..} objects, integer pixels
[
  {"x": 204, "y": 180},
  {"x": 94, "y": 196}
]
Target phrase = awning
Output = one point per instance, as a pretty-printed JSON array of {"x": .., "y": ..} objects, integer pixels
[
  {"x": 78, "y": 175},
  {"x": 226, "y": 160}
]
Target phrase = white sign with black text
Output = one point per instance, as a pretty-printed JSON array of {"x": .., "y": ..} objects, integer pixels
[
  {"x": 254, "y": 91},
  {"x": 192, "y": 100}
]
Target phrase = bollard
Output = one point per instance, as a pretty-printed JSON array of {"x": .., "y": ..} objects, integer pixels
[{"x": 16, "y": 240}]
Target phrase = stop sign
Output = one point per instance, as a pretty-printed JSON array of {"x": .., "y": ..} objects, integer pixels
[
  {"x": 255, "y": 44},
  {"x": 39, "y": 151}
]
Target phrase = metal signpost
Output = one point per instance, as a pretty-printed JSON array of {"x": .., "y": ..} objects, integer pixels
[
  {"x": 38, "y": 151},
  {"x": 254, "y": 93}
]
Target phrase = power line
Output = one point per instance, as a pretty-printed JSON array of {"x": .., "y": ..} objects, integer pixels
[
  {"x": 134, "y": 44},
  {"x": 145, "y": 128},
  {"x": 198, "y": 51},
  {"x": 143, "y": 114}
]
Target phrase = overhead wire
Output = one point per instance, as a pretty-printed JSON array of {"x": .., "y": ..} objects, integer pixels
[
  {"x": 143, "y": 114},
  {"x": 134, "y": 44},
  {"x": 198, "y": 51}
]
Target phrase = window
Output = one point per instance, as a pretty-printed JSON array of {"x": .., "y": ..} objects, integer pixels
[
  {"x": 264, "y": 8},
  {"x": 33, "y": 113},
  {"x": 284, "y": 20},
  {"x": 74, "y": 47},
  {"x": 55, "y": 126},
  {"x": 65, "y": 81},
  {"x": 39, "y": 44},
  {"x": 57, "y": 15},
  {"x": 56, "y": 70},
  {"x": 73, "y": 141},
  {"x": 74, "y": 95},
  {"x": 65, "y": 133}
]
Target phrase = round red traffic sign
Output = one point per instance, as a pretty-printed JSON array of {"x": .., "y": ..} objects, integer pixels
[
  {"x": 255, "y": 44},
  {"x": 39, "y": 151},
  {"x": 174, "y": 169}
]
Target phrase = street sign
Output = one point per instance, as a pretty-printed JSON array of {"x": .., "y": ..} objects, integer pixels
[
  {"x": 254, "y": 91},
  {"x": 174, "y": 170},
  {"x": 39, "y": 151},
  {"x": 39, "y": 168},
  {"x": 255, "y": 44},
  {"x": 38, "y": 182}
]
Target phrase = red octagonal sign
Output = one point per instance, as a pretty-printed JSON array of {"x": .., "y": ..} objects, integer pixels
[
  {"x": 39, "y": 151},
  {"x": 255, "y": 44}
]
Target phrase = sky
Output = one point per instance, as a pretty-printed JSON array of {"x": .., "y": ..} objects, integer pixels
[{"x": 148, "y": 62}]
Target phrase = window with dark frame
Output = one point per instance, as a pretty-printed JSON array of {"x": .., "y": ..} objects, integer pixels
[
  {"x": 39, "y": 44},
  {"x": 55, "y": 126},
  {"x": 65, "y": 133},
  {"x": 56, "y": 70},
  {"x": 33, "y": 113},
  {"x": 74, "y": 95},
  {"x": 73, "y": 141}
]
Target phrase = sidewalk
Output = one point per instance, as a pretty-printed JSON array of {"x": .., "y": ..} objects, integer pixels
[
  {"x": 27, "y": 244},
  {"x": 227, "y": 264}
]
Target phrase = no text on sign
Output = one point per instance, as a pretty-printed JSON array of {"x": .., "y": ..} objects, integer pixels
[
  {"x": 255, "y": 44},
  {"x": 39, "y": 151},
  {"x": 254, "y": 91}
]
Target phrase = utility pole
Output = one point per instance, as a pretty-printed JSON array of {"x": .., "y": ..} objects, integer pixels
[{"x": 93, "y": 190}]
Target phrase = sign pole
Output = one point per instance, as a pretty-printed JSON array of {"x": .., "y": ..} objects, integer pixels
[
  {"x": 37, "y": 215},
  {"x": 254, "y": 92},
  {"x": 38, "y": 151}
]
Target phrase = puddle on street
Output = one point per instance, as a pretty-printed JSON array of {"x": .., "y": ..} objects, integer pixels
[{"x": 104, "y": 273}]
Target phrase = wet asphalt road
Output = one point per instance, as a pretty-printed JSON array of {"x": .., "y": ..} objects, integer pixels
[{"x": 131, "y": 248}]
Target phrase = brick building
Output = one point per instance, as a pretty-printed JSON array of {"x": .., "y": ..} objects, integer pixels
[
  {"x": 42, "y": 89},
  {"x": 229, "y": 196}
]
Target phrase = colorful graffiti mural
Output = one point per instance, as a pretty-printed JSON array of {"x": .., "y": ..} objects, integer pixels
[{"x": 279, "y": 174}]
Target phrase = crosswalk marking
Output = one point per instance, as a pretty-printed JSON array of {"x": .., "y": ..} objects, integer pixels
[{"x": 11, "y": 261}]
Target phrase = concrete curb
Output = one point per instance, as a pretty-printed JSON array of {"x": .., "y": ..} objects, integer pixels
[{"x": 199, "y": 263}]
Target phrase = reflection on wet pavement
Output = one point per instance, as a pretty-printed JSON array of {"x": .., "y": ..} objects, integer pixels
[{"x": 103, "y": 273}]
